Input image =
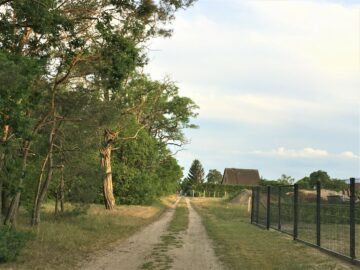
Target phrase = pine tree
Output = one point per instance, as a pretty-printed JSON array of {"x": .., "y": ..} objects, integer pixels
[{"x": 196, "y": 173}]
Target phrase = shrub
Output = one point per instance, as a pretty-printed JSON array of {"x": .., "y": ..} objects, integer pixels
[{"x": 11, "y": 243}]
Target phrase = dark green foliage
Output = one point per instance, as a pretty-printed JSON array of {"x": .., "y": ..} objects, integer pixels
[
  {"x": 17, "y": 95},
  {"x": 325, "y": 180},
  {"x": 304, "y": 182},
  {"x": 321, "y": 176},
  {"x": 195, "y": 177},
  {"x": 308, "y": 182},
  {"x": 11, "y": 243},
  {"x": 144, "y": 171},
  {"x": 196, "y": 174},
  {"x": 68, "y": 71},
  {"x": 214, "y": 177}
]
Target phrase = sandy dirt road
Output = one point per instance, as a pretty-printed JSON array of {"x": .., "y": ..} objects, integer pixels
[{"x": 195, "y": 252}]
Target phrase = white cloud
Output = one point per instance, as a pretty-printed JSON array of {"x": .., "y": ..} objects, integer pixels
[
  {"x": 290, "y": 69},
  {"x": 262, "y": 109},
  {"x": 307, "y": 152},
  {"x": 293, "y": 153},
  {"x": 349, "y": 154}
]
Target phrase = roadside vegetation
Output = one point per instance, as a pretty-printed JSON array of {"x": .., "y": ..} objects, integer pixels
[
  {"x": 240, "y": 245},
  {"x": 160, "y": 259},
  {"x": 63, "y": 242},
  {"x": 80, "y": 122}
]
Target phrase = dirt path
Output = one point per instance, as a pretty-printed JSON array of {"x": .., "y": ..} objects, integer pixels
[
  {"x": 196, "y": 251},
  {"x": 129, "y": 254}
]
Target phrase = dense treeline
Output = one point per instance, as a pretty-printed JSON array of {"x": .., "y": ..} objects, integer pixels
[
  {"x": 78, "y": 118},
  {"x": 309, "y": 182}
]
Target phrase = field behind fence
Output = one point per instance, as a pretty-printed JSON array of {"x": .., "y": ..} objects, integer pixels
[{"x": 329, "y": 220}]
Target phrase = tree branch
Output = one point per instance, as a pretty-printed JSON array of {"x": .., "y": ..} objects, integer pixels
[
  {"x": 3, "y": 2},
  {"x": 129, "y": 138}
]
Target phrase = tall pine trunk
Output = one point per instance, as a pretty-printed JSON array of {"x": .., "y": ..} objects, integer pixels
[
  {"x": 59, "y": 194},
  {"x": 2, "y": 161},
  {"x": 43, "y": 187}
]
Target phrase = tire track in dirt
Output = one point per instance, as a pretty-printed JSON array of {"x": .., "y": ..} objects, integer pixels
[
  {"x": 196, "y": 251},
  {"x": 131, "y": 253}
]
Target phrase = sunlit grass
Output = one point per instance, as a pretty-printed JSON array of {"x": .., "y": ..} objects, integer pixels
[
  {"x": 62, "y": 242},
  {"x": 241, "y": 245}
]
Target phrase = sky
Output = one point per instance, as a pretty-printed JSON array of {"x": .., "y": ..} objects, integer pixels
[{"x": 277, "y": 83}]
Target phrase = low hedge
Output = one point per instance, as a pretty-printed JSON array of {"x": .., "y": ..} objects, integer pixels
[
  {"x": 11, "y": 243},
  {"x": 216, "y": 190}
]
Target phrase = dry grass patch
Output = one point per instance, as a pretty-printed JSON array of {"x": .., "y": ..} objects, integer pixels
[{"x": 61, "y": 242}]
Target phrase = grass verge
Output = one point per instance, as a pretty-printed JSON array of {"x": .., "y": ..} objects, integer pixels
[
  {"x": 62, "y": 242},
  {"x": 240, "y": 245},
  {"x": 159, "y": 258}
]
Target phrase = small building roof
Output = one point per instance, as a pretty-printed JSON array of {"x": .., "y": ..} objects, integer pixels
[{"x": 246, "y": 177}]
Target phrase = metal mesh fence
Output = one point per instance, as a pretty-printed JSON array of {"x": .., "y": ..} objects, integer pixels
[
  {"x": 335, "y": 221},
  {"x": 260, "y": 206},
  {"x": 328, "y": 219},
  {"x": 287, "y": 209},
  {"x": 307, "y": 216},
  {"x": 274, "y": 208},
  {"x": 357, "y": 219}
]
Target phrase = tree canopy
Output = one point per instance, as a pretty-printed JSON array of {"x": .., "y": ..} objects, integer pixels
[
  {"x": 71, "y": 86},
  {"x": 214, "y": 177}
]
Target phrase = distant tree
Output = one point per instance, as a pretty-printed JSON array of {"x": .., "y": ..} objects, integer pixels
[
  {"x": 304, "y": 182},
  {"x": 286, "y": 180},
  {"x": 196, "y": 173},
  {"x": 321, "y": 176},
  {"x": 309, "y": 182},
  {"x": 214, "y": 177},
  {"x": 337, "y": 184}
]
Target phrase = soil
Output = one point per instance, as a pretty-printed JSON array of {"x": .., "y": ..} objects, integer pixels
[{"x": 196, "y": 251}]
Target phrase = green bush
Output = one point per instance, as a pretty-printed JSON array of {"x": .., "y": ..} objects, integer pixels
[{"x": 11, "y": 243}]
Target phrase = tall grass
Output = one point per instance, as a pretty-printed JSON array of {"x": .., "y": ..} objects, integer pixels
[{"x": 62, "y": 242}]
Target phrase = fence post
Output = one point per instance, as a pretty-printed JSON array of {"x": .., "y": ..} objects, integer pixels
[
  {"x": 352, "y": 218},
  {"x": 252, "y": 204},
  {"x": 257, "y": 204},
  {"x": 268, "y": 207},
  {"x": 318, "y": 213},
  {"x": 296, "y": 206},
  {"x": 279, "y": 208}
]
